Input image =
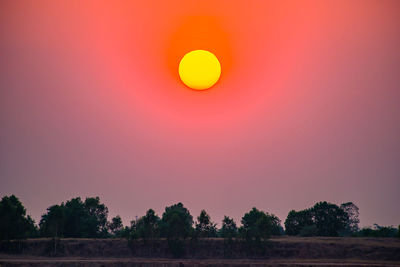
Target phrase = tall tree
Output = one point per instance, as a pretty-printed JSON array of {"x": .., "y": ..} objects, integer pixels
[
  {"x": 52, "y": 223},
  {"x": 229, "y": 228},
  {"x": 204, "y": 226},
  {"x": 277, "y": 228},
  {"x": 14, "y": 224},
  {"x": 76, "y": 218},
  {"x": 298, "y": 220},
  {"x": 97, "y": 217},
  {"x": 116, "y": 226},
  {"x": 352, "y": 212},
  {"x": 176, "y": 222},
  {"x": 259, "y": 225},
  {"x": 176, "y": 225},
  {"x": 329, "y": 219},
  {"x": 147, "y": 227},
  {"x": 323, "y": 219}
]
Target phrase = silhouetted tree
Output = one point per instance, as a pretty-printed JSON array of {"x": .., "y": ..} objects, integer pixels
[
  {"x": 204, "y": 226},
  {"x": 116, "y": 226},
  {"x": 229, "y": 228},
  {"x": 297, "y": 220},
  {"x": 329, "y": 219},
  {"x": 176, "y": 225},
  {"x": 76, "y": 219},
  {"x": 97, "y": 217},
  {"x": 147, "y": 227},
  {"x": 176, "y": 222},
  {"x": 52, "y": 223},
  {"x": 277, "y": 228},
  {"x": 31, "y": 229},
  {"x": 323, "y": 219},
  {"x": 259, "y": 225},
  {"x": 133, "y": 230},
  {"x": 352, "y": 213},
  {"x": 14, "y": 224}
]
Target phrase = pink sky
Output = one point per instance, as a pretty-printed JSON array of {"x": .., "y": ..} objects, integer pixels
[{"x": 307, "y": 107}]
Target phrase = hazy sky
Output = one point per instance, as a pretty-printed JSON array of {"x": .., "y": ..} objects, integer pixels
[{"x": 307, "y": 107}]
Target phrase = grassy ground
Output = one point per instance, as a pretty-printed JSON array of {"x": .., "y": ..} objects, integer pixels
[
  {"x": 281, "y": 251},
  {"x": 188, "y": 262}
]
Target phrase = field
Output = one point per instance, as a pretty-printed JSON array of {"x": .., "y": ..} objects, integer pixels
[{"x": 279, "y": 251}]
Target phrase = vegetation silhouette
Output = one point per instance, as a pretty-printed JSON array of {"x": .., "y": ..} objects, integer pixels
[
  {"x": 14, "y": 223},
  {"x": 76, "y": 218},
  {"x": 228, "y": 229},
  {"x": 89, "y": 219},
  {"x": 116, "y": 227},
  {"x": 176, "y": 225},
  {"x": 323, "y": 219},
  {"x": 204, "y": 226}
]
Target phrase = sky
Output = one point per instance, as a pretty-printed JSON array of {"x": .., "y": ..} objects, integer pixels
[{"x": 306, "y": 109}]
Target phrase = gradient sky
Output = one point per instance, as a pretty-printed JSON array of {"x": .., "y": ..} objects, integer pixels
[{"x": 307, "y": 108}]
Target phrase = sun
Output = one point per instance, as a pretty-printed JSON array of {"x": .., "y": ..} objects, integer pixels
[{"x": 199, "y": 69}]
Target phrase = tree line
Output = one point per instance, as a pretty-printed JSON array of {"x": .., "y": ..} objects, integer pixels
[{"x": 77, "y": 218}]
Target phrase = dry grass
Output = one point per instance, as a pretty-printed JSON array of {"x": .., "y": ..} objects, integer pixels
[{"x": 281, "y": 251}]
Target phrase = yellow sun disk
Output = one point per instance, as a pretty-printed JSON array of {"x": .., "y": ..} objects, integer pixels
[{"x": 199, "y": 69}]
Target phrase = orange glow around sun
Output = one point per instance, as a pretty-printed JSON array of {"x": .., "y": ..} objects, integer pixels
[{"x": 199, "y": 32}]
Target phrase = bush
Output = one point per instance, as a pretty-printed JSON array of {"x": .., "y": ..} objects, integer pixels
[{"x": 378, "y": 231}]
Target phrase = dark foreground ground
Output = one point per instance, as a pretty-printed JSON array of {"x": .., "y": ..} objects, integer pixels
[{"x": 282, "y": 251}]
